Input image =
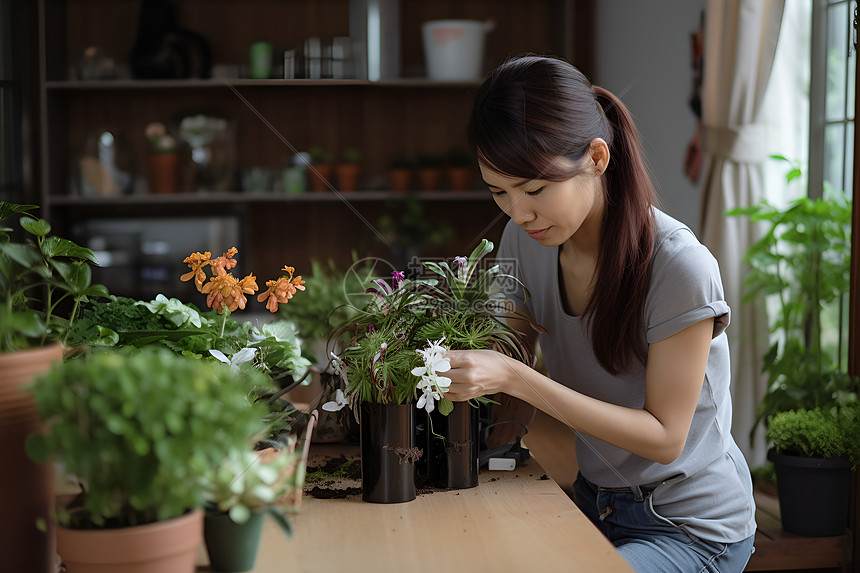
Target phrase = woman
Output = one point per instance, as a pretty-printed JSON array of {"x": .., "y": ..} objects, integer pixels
[{"x": 633, "y": 305}]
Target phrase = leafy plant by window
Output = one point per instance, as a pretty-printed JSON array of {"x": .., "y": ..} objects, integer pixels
[
  {"x": 817, "y": 432},
  {"x": 802, "y": 261}
]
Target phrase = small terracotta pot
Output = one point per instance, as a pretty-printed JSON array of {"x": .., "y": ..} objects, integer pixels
[
  {"x": 347, "y": 176},
  {"x": 400, "y": 179},
  {"x": 319, "y": 175},
  {"x": 460, "y": 178},
  {"x": 429, "y": 178},
  {"x": 162, "y": 171},
  {"x": 162, "y": 547}
]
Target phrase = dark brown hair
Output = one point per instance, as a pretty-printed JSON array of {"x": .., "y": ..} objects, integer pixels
[{"x": 532, "y": 110}]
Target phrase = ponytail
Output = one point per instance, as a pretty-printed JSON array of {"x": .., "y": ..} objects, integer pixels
[{"x": 626, "y": 245}]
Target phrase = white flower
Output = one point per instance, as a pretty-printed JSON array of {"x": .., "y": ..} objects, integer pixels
[
  {"x": 340, "y": 400},
  {"x": 428, "y": 400},
  {"x": 241, "y": 357},
  {"x": 430, "y": 383},
  {"x": 336, "y": 363}
]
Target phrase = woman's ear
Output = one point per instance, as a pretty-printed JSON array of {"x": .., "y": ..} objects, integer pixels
[{"x": 599, "y": 155}]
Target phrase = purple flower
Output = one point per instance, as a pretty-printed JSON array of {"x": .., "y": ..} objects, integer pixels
[
  {"x": 461, "y": 261},
  {"x": 396, "y": 277},
  {"x": 369, "y": 328}
]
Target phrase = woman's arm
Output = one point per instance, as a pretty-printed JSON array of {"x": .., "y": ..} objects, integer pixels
[
  {"x": 510, "y": 409},
  {"x": 673, "y": 381}
]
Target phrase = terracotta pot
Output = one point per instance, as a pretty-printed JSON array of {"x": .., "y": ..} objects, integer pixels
[
  {"x": 429, "y": 178},
  {"x": 319, "y": 175},
  {"x": 27, "y": 492},
  {"x": 460, "y": 178},
  {"x": 400, "y": 179},
  {"x": 347, "y": 176},
  {"x": 162, "y": 171},
  {"x": 162, "y": 547}
]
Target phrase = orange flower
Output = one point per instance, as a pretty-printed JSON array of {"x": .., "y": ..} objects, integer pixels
[
  {"x": 225, "y": 262},
  {"x": 223, "y": 289},
  {"x": 196, "y": 262},
  {"x": 281, "y": 290}
]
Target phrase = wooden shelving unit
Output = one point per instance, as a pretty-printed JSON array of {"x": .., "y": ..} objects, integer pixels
[{"x": 409, "y": 116}]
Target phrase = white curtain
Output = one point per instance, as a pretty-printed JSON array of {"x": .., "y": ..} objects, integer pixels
[{"x": 740, "y": 44}]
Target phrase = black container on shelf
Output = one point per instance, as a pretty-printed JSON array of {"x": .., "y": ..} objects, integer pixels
[{"x": 388, "y": 452}]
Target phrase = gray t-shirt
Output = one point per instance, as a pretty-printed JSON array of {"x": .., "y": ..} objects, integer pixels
[{"x": 707, "y": 491}]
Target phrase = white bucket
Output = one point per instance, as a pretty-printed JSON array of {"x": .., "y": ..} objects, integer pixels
[{"x": 454, "y": 49}]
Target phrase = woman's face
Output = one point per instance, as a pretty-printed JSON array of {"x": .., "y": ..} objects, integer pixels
[{"x": 551, "y": 212}]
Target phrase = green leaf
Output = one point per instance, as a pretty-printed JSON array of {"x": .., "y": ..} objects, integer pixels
[
  {"x": 37, "y": 448},
  {"x": 8, "y": 209},
  {"x": 28, "y": 323},
  {"x": 38, "y": 227},
  {"x": 77, "y": 275},
  {"x": 57, "y": 247},
  {"x": 25, "y": 255},
  {"x": 282, "y": 520},
  {"x": 446, "y": 406},
  {"x": 96, "y": 290}
]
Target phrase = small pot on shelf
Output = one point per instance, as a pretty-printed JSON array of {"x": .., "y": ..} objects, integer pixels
[{"x": 162, "y": 170}]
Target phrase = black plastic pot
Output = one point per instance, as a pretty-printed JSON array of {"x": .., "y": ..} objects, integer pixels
[
  {"x": 388, "y": 452},
  {"x": 813, "y": 494},
  {"x": 453, "y": 459}
]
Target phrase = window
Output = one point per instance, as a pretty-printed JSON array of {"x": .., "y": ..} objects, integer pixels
[
  {"x": 832, "y": 97},
  {"x": 831, "y": 104}
]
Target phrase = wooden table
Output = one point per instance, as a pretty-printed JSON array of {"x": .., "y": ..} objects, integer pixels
[{"x": 513, "y": 521}]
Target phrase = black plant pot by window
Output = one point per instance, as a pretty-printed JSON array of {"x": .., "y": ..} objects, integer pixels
[
  {"x": 388, "y": 452},
  {"x": 813, "y": 494},
  {"x": 453, "y": 461}
]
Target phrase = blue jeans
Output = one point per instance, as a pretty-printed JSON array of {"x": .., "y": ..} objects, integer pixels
[{"x": 649, "y": 543}]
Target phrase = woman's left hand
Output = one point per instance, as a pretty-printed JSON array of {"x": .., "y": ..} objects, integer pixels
[{"x": 478, "y": 373}]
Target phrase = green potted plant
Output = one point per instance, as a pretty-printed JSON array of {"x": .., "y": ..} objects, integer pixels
[
  {"x": 802, "y": 262},
  {"x": 244, "y": 489},
  {"x": 814, "y": 451},
  {"x": 140, "y": 432},
  {"x": 348, "y": 170},
  {"x": 44, "y": 279},
  {"x": 393, "y": 357},
  {"x": 320, "y": 169},
  {"x": 460, "y": 169},
  {"x": 273, "y": 347}
]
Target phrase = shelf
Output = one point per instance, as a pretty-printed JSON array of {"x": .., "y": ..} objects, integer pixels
[
  {"x": 131, "y": 84},
  {"x": 194, "y": 198}
]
